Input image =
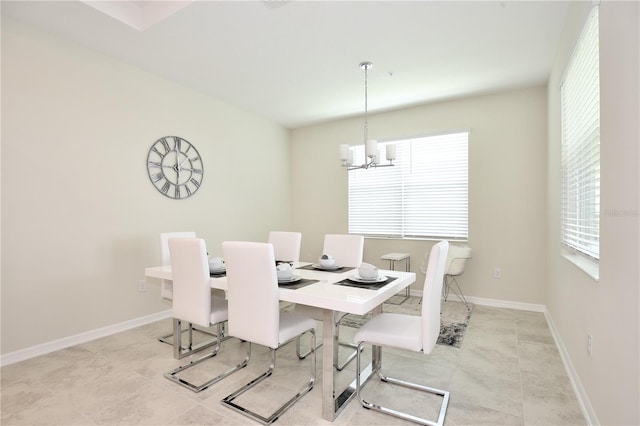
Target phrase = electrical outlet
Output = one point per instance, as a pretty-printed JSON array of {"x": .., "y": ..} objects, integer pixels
[
  {"x": 589, "y": 344},
  {"x": 142, "y": 286},
  {"x": 497, "y": 273}
]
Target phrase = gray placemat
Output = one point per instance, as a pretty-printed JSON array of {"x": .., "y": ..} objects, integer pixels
[
  {"x": 339, "y": 270},
  {"x": 376, "y": 286},
  {"x": 298, "y": 284}
]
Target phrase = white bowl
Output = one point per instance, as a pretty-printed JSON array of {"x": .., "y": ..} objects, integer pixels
[
  {"x": 284, "y": 271},
  {"x": 327, "y": 261},
  {"x": 368, "y": 271},
  {"x": 216, "y": 263}
]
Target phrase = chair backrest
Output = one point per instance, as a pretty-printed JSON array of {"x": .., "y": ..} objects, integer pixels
[
  {"x": 348, "y": 250},
  {"x": 286, "y": 245},
  {"x": 253, "y": 295},
  {"x": 164, "y": 243},
  {"x": 457, "y": 259},
  {"x": 432, "y": 294},
  {"x": 166, "y": 289},
  {"x": 191, "y": 286}
]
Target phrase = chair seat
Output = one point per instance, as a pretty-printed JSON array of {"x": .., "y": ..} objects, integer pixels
[
  {"x": 396, "y": 330},
  {"x": 219, "y": 310},
  {"x": 292, "y": 324}
]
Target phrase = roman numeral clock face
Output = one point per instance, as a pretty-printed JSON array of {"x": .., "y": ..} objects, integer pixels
[{"x": 175, "y": 167}]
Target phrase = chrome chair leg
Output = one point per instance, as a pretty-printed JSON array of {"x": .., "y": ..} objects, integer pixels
[
  {"x": 168, "y": 338},
  {"x": 338, "y": 366},
  {"x": 336, "y": 363},
  {"x": 410, "y": 385},
  {"x": 447, "y": 287},
  {"x": 181, "y": 350},
  {"x": 173, "y": 374},
  {"x": 229, "y": 399},
  {"x": 299, "y": 349}
]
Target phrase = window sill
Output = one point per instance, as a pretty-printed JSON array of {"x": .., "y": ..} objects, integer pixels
[
  {"x": 380, "y": 237},
  {"x": 588, "y": 266}
]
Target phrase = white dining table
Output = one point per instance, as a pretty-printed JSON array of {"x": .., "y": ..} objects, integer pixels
[{"x": 330, "y": 297}]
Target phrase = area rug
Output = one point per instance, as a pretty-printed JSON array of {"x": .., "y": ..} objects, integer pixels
[{"x": 454, "y": 318}]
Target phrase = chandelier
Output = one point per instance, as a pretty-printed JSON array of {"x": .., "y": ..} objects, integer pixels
[{"x": 372, "y": 154}]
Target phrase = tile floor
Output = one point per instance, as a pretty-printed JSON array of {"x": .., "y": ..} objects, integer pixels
[{"x": 507, "y": 372}]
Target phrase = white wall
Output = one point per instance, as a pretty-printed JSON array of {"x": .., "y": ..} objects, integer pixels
[
  {"x": 507, "y": 187},
  {"x": 578, "y": 305},
  {"x": 80, "y": 218}
]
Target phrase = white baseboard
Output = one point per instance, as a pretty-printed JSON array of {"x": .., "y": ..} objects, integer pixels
[
  {"x": 45, "y": 348},
  {"x": 583, "y": 399},
  {"x": 496, "y": 303},
  {"x": 492, "y": 302}
]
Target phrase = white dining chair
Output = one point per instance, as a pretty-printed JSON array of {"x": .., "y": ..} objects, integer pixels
[
  {"x": 286, "y": 245},
  {"x": 348, "y": 250},
  {"x": 194, "y": 303},
  {"x": 166, "y": 286},
  {"x": 411, "y": 333},
  {"x": 166, "y": 290},
  {"x": 454, "y": 267},
  {"x": 255, "y": 316}
]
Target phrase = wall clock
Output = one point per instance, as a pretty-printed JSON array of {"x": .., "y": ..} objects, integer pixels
[{"x": 175, "y": 167}]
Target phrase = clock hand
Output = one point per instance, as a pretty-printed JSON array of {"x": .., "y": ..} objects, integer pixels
[
  {"x": 177, "y": 166},
  {"x": 193, "y": 170},
  {"x": 186, "y": 157}
]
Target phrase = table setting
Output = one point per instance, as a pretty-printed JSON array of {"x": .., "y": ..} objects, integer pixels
[
  {"x": 367, "y": 277},
  {"x": 286, "y": 277},
  {"x": 326, "y": 263},
  {"x": 217, "y": 267}
]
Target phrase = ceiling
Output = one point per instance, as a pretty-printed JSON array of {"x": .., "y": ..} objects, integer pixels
[{"x": 296, "y": 62}]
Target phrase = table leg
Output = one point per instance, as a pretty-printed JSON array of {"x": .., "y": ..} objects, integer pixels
[
  {"x": 376, "y": 356},
  {"x": 332, "y": 402},
  {"x": 329, "y": 348}
]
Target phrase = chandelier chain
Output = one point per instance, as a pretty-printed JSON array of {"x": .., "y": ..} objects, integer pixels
[
  {"x": 366, "y": 99},
  {"x": 365, "y": 66}
]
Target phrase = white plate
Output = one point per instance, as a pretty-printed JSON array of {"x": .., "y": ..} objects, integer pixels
[
  {"x": 326, "y": 268},
  {"x": 359, "y": 279},
  {"x": 291, "y": 280}
]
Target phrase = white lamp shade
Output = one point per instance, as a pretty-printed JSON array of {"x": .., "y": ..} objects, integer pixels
[
  {"x": 371, "y": 148},
  {"x": 344, "y": 152},
  {"x": 391, "y": 152}
]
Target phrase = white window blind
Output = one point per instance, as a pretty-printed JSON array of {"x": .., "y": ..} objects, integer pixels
[
  {"x": 425, "y": 195},
  {"x": 580, "y": 98}
]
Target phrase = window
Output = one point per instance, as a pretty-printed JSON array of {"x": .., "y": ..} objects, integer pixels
[
  {"x": 425, "y": 195},
  {"x": 580, "y": 112}
]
